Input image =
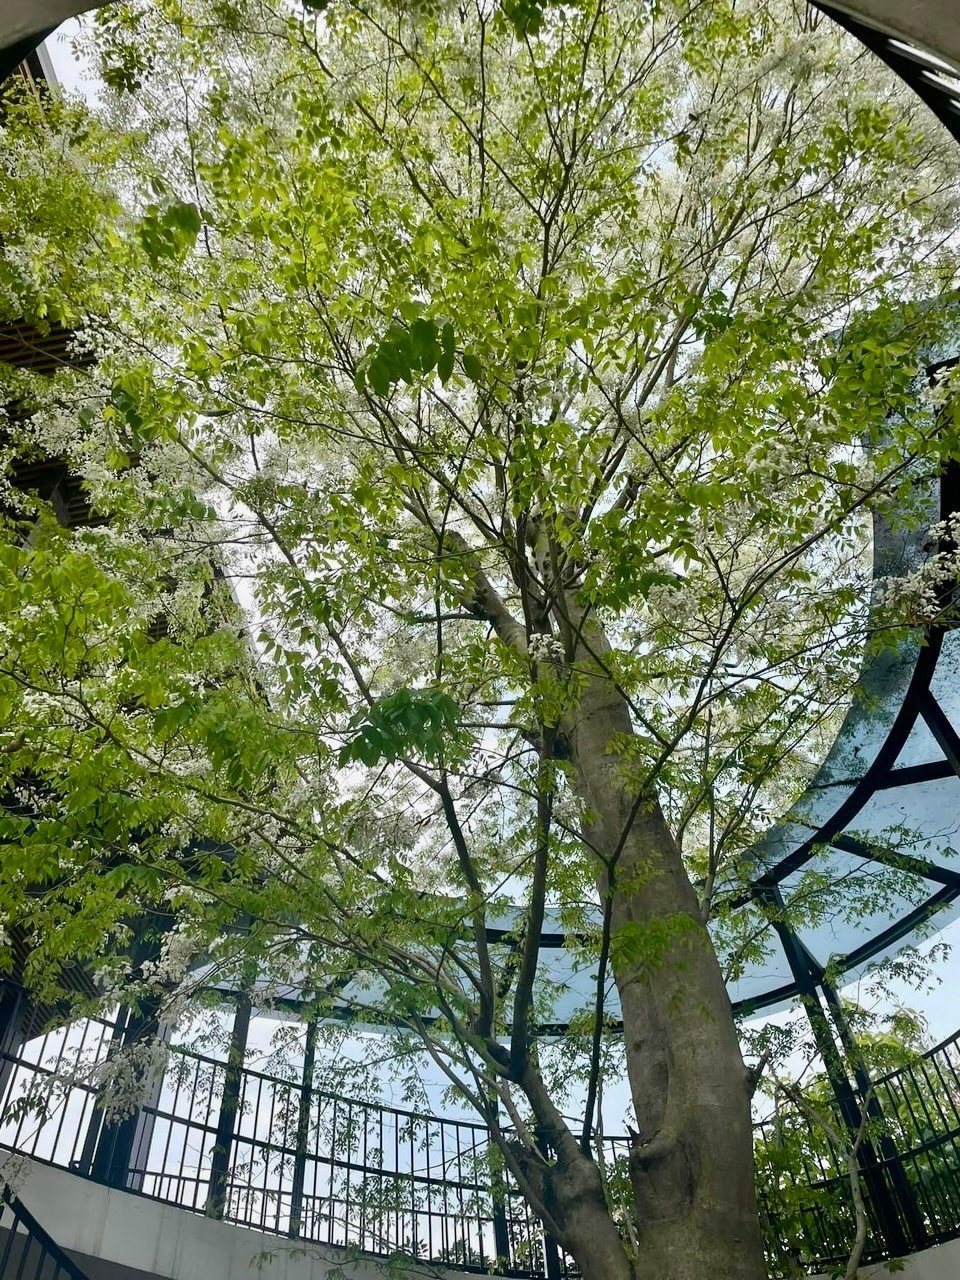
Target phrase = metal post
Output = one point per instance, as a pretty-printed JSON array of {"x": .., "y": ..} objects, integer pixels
[
  {"x": 115, "y": 1151},
  {"x": 498, "y": 1192},
  {"x": 229, "y": 1106},
  {"x": 501, "y": 1231},
  {"x": 114, "y": 1162},
  {"x": 808, "y": 975},
  {"x": 96, "y": 1155},
  {"x": 13, "y": 1010},
  {"x": 551, "y": 1250},
  {"x": 902, "y": 1191},
  {"x": 303, "y": 1130},
  {"x": 551, "y": 1253}
]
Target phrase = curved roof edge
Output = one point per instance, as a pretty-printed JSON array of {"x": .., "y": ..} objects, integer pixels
[{"x": 930, "y": 24}]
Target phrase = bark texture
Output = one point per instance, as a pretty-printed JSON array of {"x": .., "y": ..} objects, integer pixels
[{"x": 691, "y": 1167}]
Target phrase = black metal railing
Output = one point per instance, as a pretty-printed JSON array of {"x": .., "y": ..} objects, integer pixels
[
  {"x": 26, "y": 1251},
  {"x": 299, "y": 1162},
  {"x": 805, "y": 1190}
]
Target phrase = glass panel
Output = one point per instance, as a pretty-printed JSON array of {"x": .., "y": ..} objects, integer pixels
[
  {"x": 945, "y": 685},
  {"x": 841, "y": 901},
  {"x": 919, "y": 748}
]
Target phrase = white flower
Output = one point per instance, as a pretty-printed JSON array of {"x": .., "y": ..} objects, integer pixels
[{"x": 543, "y": 647}]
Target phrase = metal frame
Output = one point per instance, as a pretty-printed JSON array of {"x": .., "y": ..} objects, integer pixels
[
  {"x": 281, "y": 1156},
  {"x": 931, "y": 79}
]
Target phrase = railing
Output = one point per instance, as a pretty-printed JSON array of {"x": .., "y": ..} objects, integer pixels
[
  {"x": 26, "y": 1251},
  {"x": 805, "y": 1188},
  {"x": 298, "y": 1162}
]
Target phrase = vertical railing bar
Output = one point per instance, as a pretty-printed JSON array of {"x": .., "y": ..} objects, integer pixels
[
  {"x": 255, "y": 1145},
  {"x": 414, "y": 1225},
  {"x": 477, "y": 1197},
  {"x": 87, "y": 1092},
  {"x": 462, "y": 1215},
  {"x": 289, "y": 1139},
  {"x": 10, "y": 1239},
  {"x": 303, "y": 1129},
  {"x": 215, "y": 1070},
  {"x": 170, "y": 1122},
  {"x": 382, "y": 1210},
  {"x": 226, "y": 1123},
  {"x": 26, "y": 1244},
  {"x": 346, "y": 1200},
  {"x": 334, "y": 1143},
  {"x": 397, "y": 1234},
  {"x": 446, "y": 1198},
  {"x": 366, "y": 1175},
  {"x": 429, "y": 1192}
]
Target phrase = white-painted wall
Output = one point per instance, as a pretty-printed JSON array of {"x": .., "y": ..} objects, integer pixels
[
  {"x": 173, "y": 1243},
  {"x": 941, "y": 1263}
]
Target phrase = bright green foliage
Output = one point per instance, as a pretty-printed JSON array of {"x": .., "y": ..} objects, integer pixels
[
  {"x": 490, "y": 355},
  {"x": 169, "y": 232},
  {"x": 406, "y": 352},
  {"x": 406, "y": 722}
]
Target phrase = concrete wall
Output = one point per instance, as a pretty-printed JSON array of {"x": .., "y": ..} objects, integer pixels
[
  {"x": 941, "y": 1263},
  {"x": 144, "y": 1239}
]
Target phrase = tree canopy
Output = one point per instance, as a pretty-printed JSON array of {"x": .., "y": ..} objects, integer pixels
[{"x": 487, "y": 412}]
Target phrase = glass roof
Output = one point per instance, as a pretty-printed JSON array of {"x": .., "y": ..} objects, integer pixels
[{"x": 861, "y": 863}]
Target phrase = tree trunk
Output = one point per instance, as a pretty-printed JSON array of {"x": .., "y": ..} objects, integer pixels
[{"x": 692, "y": 1167}]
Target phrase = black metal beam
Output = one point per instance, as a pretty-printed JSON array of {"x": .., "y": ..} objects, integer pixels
[
  {"x": 809, "y": 976},
  {"x": 229, "y": 1109},
  {"x": 911, "y": 67},
  {"x": 898, "y": 861},
  {"x": 302, "y": 1139},
  {"x": 947, "y": 738},
  {"x": 911, "y": 1224},
  {"x": 907, "y": 775}
]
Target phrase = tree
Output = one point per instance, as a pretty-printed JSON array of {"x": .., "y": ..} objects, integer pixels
[{"x": 531, "y": 375}]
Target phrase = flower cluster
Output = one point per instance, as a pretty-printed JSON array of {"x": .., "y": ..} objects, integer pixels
[
  {"x": 921, "y": 597},
  {"x": 123, "y": 1080},
  {"x": 543, "y": 647}
]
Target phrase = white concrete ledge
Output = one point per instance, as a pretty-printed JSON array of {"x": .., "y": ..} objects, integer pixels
[
  {"x": 940, "y": 1263},
  {"x": 933, "y": 25},
  {"x": 22, "y": 18},
  {"x": 162, "y": 1240}
]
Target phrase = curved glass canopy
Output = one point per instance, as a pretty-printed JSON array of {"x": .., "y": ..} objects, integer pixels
[{"x": 875, "y": 839}]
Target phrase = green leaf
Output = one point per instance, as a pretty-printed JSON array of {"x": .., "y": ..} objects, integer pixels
[
  {"x": 169, "y": 234},
  {"x": 407, "y": 722},
  {"x": 447, "y": 344}
]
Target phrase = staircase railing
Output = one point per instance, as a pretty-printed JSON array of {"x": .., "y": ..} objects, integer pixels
[
  {"x": 310, "y": 1165},
  {"x": 27, "y": 1252}
]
